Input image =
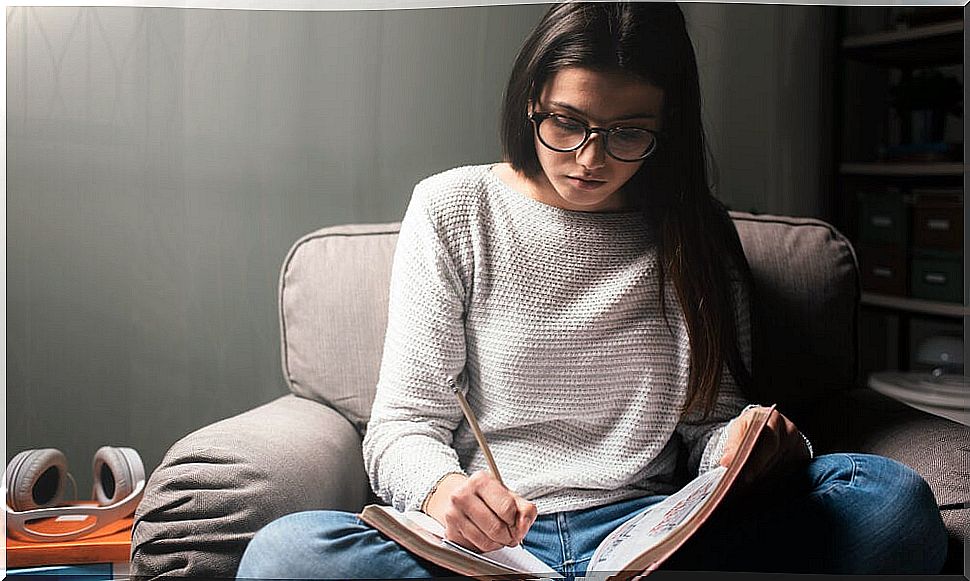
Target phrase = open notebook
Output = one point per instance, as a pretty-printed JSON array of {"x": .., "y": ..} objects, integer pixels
[{"x": 633, "y": 549}]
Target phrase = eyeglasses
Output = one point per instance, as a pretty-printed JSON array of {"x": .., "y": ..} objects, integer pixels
[{"x": 564, "y": 134}]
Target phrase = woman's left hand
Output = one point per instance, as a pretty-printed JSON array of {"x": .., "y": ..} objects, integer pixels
[{"x": 779, "y": 447}]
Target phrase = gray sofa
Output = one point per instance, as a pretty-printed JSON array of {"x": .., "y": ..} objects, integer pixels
[{"x": 217, "y": 486}]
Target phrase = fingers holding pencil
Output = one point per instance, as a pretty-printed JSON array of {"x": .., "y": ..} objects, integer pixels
[
  {"x": 493, "y": 507},
  {"x": 482, "y": 511}
]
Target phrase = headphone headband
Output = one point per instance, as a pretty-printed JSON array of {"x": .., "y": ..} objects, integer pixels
[
  {"x": 17, "y": 522},
  {"x": 116, "y": 471}
]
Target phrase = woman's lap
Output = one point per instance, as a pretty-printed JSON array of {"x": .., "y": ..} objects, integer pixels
[
  {"x": 849, "y": 513},
  {"x": 841, "y": 513}
]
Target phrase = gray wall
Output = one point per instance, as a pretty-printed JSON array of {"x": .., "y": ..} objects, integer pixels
[
  {"x": 766, "y": 82},
  {"x": 162, "y": 161}
]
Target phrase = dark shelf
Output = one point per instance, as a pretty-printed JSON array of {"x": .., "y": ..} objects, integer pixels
[
  {"x": 911, "y": 305},
  {"x": 931, "y": 45},
  {"x": 902, "y": 169},
  {"x": 867, "y": 130}
]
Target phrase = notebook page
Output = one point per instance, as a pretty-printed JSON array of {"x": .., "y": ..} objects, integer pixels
[
  {"x": 654, "y": 523},
  {"x": 515, "y": 557}
]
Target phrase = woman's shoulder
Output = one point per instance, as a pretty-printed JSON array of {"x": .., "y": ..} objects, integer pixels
[
  {"x": 454, "y": 203},
  {"x": 453, "y": 189}
]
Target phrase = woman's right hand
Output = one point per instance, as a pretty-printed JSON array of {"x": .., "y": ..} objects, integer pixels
[{"x": 479, "y": 513}]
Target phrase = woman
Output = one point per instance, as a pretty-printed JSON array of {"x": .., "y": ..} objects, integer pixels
[{"x": 590, "y": 295}]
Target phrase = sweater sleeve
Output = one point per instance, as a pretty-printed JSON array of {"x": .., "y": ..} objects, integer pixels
[
  {"x": 705, "y": 438},
  {"x": 407, "y": 448}
]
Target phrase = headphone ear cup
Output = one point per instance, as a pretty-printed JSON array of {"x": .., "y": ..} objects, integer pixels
[
  {"x": 36, "y": 479},
  {"x": 117, "y": 471}
]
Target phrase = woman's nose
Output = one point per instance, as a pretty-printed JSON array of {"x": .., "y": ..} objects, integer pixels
[{"x": 592, "y": 155}]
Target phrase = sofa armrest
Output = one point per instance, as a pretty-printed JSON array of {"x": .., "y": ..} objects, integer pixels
[
  {"x": 217, "y": 486},
  {"x": 863, "y": 420}
]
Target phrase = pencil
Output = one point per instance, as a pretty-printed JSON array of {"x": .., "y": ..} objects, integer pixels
[
  {"x": 479, "y": 436},
  {"x": 473, "y": 423}
]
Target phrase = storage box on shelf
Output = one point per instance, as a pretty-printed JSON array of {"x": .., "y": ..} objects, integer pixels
[
  {"x": 936, "y": 275},
  {"x": 909, "y": 245},
  {"x": 883, "y": 269},
  {"x": 938, "y": 219},
  {"x": 883, "y": 218}
]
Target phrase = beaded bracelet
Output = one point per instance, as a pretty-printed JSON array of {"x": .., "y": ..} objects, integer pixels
[
  {"x": 434, "y": 489},
  {"x": 808, "y": 444}
]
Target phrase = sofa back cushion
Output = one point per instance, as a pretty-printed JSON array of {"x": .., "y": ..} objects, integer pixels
[
  {"x": 333, "y": 312},
  {"x": 334, "y": 292},
  {"x": 805, "y": 305}
]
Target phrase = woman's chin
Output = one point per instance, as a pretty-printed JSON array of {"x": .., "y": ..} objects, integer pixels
[{"x": 586, "y": 201}]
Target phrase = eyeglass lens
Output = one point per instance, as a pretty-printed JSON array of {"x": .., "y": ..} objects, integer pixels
[{"x": 562, "y": 133}]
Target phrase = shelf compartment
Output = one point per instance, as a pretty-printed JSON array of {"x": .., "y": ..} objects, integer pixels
[
  {"x": 954, "y": 168},
  {"x": 934, "y": 44},
  {"x": 919, "y": 306}
]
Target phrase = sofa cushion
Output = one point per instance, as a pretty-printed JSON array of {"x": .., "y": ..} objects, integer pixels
[
  {"x": 333, "y": 312},
  {"x": 804, "y": 309},
  {"x": 220, "y": 484},
  {"x": 334, "y": 293}
]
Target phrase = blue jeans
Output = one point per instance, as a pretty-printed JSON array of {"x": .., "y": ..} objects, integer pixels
[{"x": 839, "y": 513}]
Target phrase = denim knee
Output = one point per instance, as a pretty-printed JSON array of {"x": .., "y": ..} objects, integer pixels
[
  {"x": 890, "y": 518},
  {"x": 922, "y": 534},
  {"x": 283, "y": 549}
]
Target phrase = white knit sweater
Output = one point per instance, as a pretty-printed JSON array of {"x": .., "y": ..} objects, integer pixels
[{"x": 550, "y": 319}]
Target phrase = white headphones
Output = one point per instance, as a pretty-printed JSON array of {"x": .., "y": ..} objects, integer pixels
[{"x": 36, "y": 480}]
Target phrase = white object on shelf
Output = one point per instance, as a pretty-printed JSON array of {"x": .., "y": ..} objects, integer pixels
[
  {"x": 944, "y": 352},
  {"x": 947, "y": 396}
]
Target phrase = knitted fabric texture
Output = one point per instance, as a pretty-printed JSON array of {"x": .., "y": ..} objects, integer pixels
[{"x": 550, "y": 319}]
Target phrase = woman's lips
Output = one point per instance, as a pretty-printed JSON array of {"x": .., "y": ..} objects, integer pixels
[{"x": 585, "y": 184}]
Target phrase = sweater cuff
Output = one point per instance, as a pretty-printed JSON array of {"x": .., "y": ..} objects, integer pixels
[
  {"x": 714, "y": 450},
  {"x": 425, "y": 480},
  {"x": 427, "y": 497},
  {"x": 715, "y": 446},
  {"x": 409, "y": 469}
]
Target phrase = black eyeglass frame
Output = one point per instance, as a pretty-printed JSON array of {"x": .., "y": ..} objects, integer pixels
[{"x": 538, "y": 117}]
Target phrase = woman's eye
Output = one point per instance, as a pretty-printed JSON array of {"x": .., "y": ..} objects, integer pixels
[
  {"x": 567, "y": 124},
  {"x": 631, "y": 135}
]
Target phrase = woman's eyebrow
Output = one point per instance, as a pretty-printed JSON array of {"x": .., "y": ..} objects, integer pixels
[{"x": 582, "y": 113}]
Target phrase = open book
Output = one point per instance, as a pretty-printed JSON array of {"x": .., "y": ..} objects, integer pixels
[{"x": 633, "y": 549}]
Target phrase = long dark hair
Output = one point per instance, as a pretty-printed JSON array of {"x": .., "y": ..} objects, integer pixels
[{"x": 698, "y": 246}]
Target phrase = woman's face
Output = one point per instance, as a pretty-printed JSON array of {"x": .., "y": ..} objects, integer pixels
[{"x": 588, "y": 179}]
